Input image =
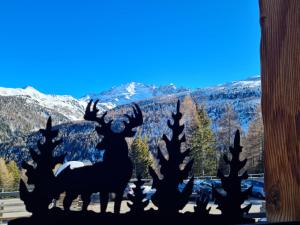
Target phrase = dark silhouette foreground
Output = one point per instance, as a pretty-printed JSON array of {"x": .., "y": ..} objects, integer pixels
[
  {"x": 58, "y": 216},
  {"x": 230, "y": 204},
  {"x": 40, "y": 173},
  {"x": 110, "y": 176},
  {"x": 113, "y": 174},
  {"x": 168, "y": 198}
]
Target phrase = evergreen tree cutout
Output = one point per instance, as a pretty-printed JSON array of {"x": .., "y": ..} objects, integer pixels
[
  {"x": 168, "y": 198},
  {"x": 201, "y": 205},
  {"x": 41, "y": 174},
  {"x": 138, "y": 202},
  {"x": 230, "y": 204}
]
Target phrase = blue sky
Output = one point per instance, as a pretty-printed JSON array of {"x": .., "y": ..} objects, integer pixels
[{"x": 77, "y": 47}]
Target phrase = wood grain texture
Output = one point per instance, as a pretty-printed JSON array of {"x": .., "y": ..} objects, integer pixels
[{"x": 280, "y": 74}]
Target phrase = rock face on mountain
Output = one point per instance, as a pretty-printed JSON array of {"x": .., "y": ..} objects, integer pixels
[
  {"x": 71, "y": 108},
  {"x": 24, "y": 111}
]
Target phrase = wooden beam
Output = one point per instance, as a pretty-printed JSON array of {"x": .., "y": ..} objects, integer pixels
[{"x": 280, "y": 75}]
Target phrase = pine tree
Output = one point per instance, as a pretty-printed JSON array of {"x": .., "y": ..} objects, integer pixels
[
  {"x": 189, "y": 119},
  {"x": 41, "y": 174},
  {"x": 227, "y": 125},
  {"x": 138, "y": 202},
  {"x": 203, "y": 144},
  {"x": 140, "y": 156},
  {"x": 167, "y": 197},
  {"x": 201, "y": 205},
  {"x": 14, "y": 171},
  {"x": 230, "y": 204},
  {"x": 254, "y": 144},
  {"x": 6, "y": 179}
]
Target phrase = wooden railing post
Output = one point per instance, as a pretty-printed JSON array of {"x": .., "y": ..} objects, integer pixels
[{"x": 280, "y": 74}]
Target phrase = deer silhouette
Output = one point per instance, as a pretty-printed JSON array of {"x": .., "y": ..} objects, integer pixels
[{"x": 109, "y": 176}]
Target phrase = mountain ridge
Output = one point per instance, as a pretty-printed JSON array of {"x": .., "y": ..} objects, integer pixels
[
  {"x": 73, "y": 108},
  {"x": 116, "y": 95},
  {"x": 21, "y": 116}
]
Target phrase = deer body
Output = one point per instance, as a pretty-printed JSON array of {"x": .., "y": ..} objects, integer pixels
[{"x": 109, "y": 176}]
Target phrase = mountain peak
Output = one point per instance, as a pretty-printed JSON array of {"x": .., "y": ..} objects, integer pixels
[
  {"x": 29, "y": 88},
  {"x": 17, "y": 91},
  {"x": 132, "y": 86},
  {"x": 70, "y": 107},
  {"x": 132, "y": 92}
]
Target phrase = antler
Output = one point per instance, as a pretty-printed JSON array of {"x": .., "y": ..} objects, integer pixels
[
  {"x": 91, "y": 115},
  {"x": 133, "y": 121}
]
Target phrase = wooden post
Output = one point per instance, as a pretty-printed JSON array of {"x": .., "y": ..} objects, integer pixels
[{"x": 280, "y": 74}]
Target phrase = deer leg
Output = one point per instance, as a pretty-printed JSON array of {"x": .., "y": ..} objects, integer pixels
[
  {"x": 103, "y": 201},
  {"x": 68, "y": 200},
  {"x": 118, "y": 200},
  {"x": 86, "y": 199}
]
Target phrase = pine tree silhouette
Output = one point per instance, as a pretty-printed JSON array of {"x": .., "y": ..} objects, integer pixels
[
  {"x": 230, "y": 204},
  {"x": 138, "y": 202},
  {"x": 201, "y": 205},
  {"x": 41, "y": 174},
  {"x": 167, "y": 197}
]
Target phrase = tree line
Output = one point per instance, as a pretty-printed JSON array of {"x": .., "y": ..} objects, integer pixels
[
  {"x": 9, "y": 175},
  {"x": 208, "y": 142}
]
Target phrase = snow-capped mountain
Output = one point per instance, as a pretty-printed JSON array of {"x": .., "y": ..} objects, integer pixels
[
  {"x": 243, "y": 95},
  {"x": 72, "y": 108},
  {"x": 251, "y": 82},
  {"x": 132, "y": 92},
  {"x": 24, "y": 111}
]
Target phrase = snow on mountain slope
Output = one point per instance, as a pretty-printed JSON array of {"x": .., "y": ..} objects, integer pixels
[
  {"x": 65, "y": 104},
  {"x": 132, "y": 92},
  {"x": 251, "y": 82},
  {"x": 243, "y": 95},
  {"x": 23, "y": 111}
]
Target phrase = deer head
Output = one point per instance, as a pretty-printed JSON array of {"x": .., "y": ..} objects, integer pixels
[{"x": 112, "y": 142}]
